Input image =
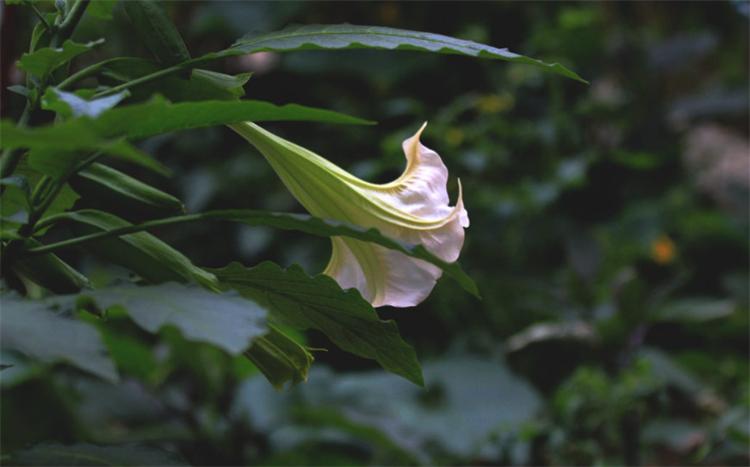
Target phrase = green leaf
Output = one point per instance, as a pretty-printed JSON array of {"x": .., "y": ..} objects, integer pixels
[
  {"x": 225, "y": 320},
  {"x": 54, "y": 153},
  {"x": 101, "y": 9},
  {"x": 14, "y": 200},
  {"x": 29, "y": 328},
  {"x": 347, "y": 36},
  {"x": 305, "y": 302},
  {"x": 330, "y": 228},
  {"x": 142, "y": 253},
  {"x": 201, "y": 85},
  {"x": 68, "y": 104},
  {"x": 130, "y": 187},
  {"x": 50, "y": 272},
  {"x": 43, "y": 61},
  {"x": 154, "y": 28},
  {"x": 143, "y": 120},
  {"x": 280, "y": 358},
  {"x": 232, "y": 85},
  {"x": 160, "y": 116},
  {"x": 90, "y": 454}
]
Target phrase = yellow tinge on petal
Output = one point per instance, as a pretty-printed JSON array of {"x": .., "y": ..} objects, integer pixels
[{"x": 413, "y": 208}]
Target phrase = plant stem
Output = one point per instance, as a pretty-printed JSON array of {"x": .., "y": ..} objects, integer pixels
[
  {"x": 12, "y": 157},
  {"x": 109, "y": 233},
  {"x": 187, "y": 65},
  {"x": 71, "y": 21},
  {"x": 41, "y": 17},
  {"x": 86, "y": 72},
  {"x": 37, "y": 213}
]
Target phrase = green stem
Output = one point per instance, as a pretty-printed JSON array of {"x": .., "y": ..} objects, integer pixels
[
  {"x": 86, "y": 72},
  {"x": 12, "y": 157},
  {"x": 109, "y": 233},
  {"x": 31, "y": 225},
  {"x": 39, "y": 15},
  {"x": 71, "y": 21},
  {"x": 174, "y": 69}
]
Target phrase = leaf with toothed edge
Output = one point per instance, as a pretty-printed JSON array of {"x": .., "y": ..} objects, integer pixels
[{"x": 296, "y": 299}]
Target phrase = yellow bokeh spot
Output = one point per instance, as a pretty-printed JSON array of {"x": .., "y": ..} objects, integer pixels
[
  {"x": 493, "y": 103},
  {"x": 663, "y": 250},
  {"x": 454, "y": 136}
]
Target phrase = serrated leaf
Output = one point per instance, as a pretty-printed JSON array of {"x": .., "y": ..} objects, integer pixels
[
  {"x": 68, "y": 104},
  {"x": 140, "y": 252},
  {"x": 298, "y": 300},
  {"x": 90, "y": 454},
  {"x": 31, "y": 329},
  {"x": 225, "y": 320},
  {"x": 130, "y": 187},
  {"x": 349, "y": 36},
  {"x": 280, "y": 358},
  {"x": 43, "y": 61}
]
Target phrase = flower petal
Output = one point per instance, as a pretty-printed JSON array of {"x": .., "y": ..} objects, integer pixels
[
  {"x": 414, "y": 208},
  {"x": 382, "y": 276}
]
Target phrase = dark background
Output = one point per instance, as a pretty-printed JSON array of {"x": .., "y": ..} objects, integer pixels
[{"x": 609, "y": 239}]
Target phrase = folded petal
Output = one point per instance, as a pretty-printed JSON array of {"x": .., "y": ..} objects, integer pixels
[{"x": 413, "y": 208}]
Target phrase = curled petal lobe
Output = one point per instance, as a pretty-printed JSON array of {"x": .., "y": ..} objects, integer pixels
[{"x": 414, "y": 208}]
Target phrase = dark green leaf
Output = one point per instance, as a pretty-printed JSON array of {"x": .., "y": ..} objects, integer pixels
[
  {"x": 280, "y": 358},
  {"x": 68, "y": 104},
  {"x": 154, "y": 28},
  {"x": 54, "y": 152},
  {"x": 90, "y": 454},
  {"x": 225, "y": 320},
  {"x": 141, "y": 252},
  {"x": 101, "y": 9},
  {"x": 19, "y": 89},
  {"x": 347, "y": 36},
  {"x": 130, "y": 187},
  {"x": 305, "y": 302},
  {"x": 232, "y": 85},
  {"x": 144, "y": 120},
  {"x": 29, "y": 328},
  {"x": 45, "y": 60},
  {"x": 14, "y": 200},
  {"x": 50, "y": 272}
]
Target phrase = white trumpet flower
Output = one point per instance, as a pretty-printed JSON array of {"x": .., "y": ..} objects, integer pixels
[{"x": 414, "y": 208}]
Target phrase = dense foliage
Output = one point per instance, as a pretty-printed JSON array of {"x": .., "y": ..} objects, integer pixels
[{"x": 153, "y": 274}]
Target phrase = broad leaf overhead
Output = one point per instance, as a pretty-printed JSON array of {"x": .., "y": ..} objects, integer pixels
[{"x": 349, "y": 36}]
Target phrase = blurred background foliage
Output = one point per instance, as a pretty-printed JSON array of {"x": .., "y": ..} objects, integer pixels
[{"x": 609, "y": 239}]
